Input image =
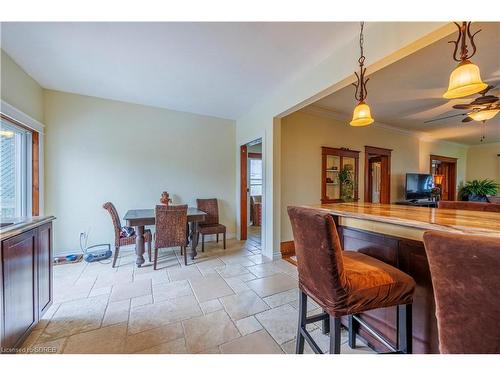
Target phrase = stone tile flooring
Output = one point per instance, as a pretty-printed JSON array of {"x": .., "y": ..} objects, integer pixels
[{"x": 226, "y": 301}]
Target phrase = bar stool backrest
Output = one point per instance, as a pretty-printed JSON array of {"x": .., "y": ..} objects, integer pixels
[
  {"x": 319, "y": 255},
  {"x": 466, "y": 280}
]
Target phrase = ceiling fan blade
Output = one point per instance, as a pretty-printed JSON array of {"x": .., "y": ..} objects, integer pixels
[
  {"x": 482, "y": 100},
  {"x": 467, "y": 119},
  {"x": 444, "y": 118},
  {"x": 463, "y": 106}
]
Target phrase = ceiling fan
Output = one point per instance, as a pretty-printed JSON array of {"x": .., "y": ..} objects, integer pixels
[{"x": 483, "y": 108}]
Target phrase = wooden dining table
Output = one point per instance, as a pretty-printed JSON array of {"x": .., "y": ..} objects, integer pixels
[{"x": 142, "y": 217}]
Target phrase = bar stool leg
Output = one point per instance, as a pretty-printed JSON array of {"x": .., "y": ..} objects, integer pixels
[
  {"x": 353, "y": 325},
  {"x": 405, "y": 333},
  {"x": 325, "y": 325},
  {"x": 299, "y": 345},
  {"x": 334, "y": 335}
]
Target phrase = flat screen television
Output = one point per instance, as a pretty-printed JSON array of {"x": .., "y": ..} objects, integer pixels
[{"x": 418, "y": 186}]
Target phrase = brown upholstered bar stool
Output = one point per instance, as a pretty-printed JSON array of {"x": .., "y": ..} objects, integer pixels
[
  {"x": 466, "y": 281},
  {"x": 344, "y": 283}
]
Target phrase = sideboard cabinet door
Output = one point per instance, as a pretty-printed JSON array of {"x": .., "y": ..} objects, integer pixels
[
  {"x": 19, "y": 287},
  {"x": 44, "y": 263}
]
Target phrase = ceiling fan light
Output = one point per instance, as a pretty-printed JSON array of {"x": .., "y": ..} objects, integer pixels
[
  {"x": 361, "y": 115},
  {"x": 465, "y": 80},
  {"x": 484, "y": 115}
]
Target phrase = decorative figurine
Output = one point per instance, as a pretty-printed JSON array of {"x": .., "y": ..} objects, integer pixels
[{"x": 165, "y": 198}]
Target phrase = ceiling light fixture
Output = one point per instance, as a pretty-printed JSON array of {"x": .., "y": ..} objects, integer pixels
[
  {"x": 361, "y": 115},
  {"x": 484, "y": 115},
  {"x": 465, "y": 79}
]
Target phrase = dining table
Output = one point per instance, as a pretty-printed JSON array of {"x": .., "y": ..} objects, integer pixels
[{"x": 139, "y": 218}]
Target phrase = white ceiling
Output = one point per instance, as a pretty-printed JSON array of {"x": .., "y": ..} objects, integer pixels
[
  {"x": 409, "y": 92},
  {"x": 218, "y": 69}
]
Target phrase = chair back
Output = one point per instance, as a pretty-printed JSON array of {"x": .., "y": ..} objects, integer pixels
[
  {"x": 110, "y": 207},
  {"x": 466, "y": 282},
  {"x": 319, "y": 255},
  {"x": 470, "y": 206},
  {"x": 211, "y": 207},
  {"x": 171, "y": 226}
]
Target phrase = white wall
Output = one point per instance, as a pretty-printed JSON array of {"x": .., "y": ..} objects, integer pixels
[
  {"x": 483, "y": 162},
  {"x": 99, "y": 150},
  {"x": 384, "y": 43},
  {"x": 19, "y": 89},
  {"x": 303, "y": 134}
]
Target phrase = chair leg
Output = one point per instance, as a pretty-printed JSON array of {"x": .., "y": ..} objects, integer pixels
[
  {"x": 299, "y": 345},
  {"x": 325, "y": 325},
  {"x": 148, "y": 245},
  {"x": 353, "y": 324},
  {"x": 155, "y": 259},
  {"x": 405, "y": 333},
  {"x": 217, "y": 237},
  {"x": 224, "y": 239},
  {"x": 202, "y": 243},
  {"x": 334, "y": 335},
  {"x": 185, "y": 257},
  {"x": 115, "y": 258}
]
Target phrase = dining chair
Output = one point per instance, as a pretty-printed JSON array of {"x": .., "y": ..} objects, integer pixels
[
  {"x": 211, "y": 223},
  {"x": 171, "y": 229},
  {"x": 465, "y": 279},
  {"x": 120, "y": 238}
]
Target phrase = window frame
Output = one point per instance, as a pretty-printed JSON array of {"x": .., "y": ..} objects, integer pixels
[{"x": 30, "y": 202}]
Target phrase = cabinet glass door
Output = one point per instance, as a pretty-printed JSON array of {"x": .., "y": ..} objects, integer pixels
[
  {"x": 347, "y": 179},
  {"x": 333, "y": 164}
]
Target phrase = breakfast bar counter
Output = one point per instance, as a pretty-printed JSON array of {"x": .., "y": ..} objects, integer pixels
[{"x": 393, "y": 234}]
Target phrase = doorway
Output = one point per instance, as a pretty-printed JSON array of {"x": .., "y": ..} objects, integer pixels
[
  {"x": 444, "y": 173},
  {"x": 251, "y": 192},
  {"x": 377, "y": 175}
]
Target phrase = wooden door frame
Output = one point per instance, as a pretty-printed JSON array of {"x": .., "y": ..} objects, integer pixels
[
  {"x": 452, "y": 173},
  {"x": 385, "y": 178},
  {"x": 243, "y": 192}
]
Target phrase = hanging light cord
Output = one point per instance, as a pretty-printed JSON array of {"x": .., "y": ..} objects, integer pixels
[{"x": 360, "y": 85}]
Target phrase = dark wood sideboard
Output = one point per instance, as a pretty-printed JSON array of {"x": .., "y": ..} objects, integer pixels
[{"x": 26, "y": 283}]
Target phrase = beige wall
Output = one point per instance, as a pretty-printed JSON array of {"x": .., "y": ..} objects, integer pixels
[
  {"x": 19, "y": 89},
  {"x": 303, "y": 134},
  {"x": 99, "y": 150},
  {"x": 483, "y": 162}
]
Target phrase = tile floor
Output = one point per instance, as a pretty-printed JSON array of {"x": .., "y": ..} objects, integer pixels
[{"x": 226, "y": 301}]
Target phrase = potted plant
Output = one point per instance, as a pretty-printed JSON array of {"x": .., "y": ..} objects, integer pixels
[
  {"x": 347, "y": 183},
  {"x": 477, "y": 190}
]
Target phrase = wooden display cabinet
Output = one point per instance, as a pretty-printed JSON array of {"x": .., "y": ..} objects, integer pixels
[{"x": 334, "y": 160}]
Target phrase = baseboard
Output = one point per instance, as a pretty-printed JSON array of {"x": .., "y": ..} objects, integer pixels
[{"x": 287, "y": 249}]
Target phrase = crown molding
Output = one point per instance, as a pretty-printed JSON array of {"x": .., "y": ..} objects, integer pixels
[{"x": 322, "y": 111}]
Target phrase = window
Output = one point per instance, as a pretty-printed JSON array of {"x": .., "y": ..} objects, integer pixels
[
  {"x": 255, "y": 177},
  {"x": 15, "y": 170}
]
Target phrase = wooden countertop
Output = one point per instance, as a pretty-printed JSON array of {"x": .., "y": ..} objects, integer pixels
[
  {"x": 11, "y": 227},
  {"x": 419, "y": 218}
]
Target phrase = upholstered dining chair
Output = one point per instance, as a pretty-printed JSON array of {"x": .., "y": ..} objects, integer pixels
[
  {"x": 171, "y": 229},
  {"x": 211, "y": 223},
  {"x": 120, "y": 239},
  {"x": 465, "y": 278}
]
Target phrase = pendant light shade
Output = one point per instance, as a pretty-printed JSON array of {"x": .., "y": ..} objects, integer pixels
[
  {"x": 465, "y": 80},
  {"x": 484, "y": 115},
  {"x": 361, "y": 115}
]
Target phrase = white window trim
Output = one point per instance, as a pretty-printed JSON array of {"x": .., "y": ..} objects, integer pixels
[{"x": 28, "y": 121}]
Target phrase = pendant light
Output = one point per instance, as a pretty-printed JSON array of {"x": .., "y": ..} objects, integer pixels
[
  {"x": 484, "y": 115},
  {"x": 361, "y": 115},
  {"x": 465, "y": 80}
]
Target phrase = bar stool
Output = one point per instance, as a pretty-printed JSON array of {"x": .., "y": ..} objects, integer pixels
[
  {"x": 466, "y": 282},
  {"x": 344, "y": 283}
]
